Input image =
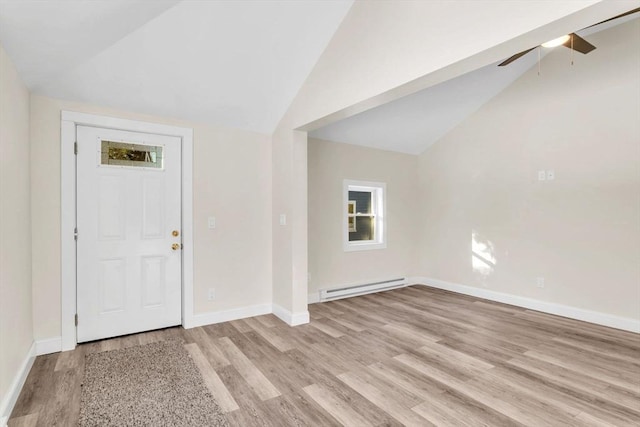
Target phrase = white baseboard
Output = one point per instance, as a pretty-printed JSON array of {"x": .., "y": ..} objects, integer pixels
[
  {"x": 227, "y": 315},
  {"x": 291, "y": 319},
  {"x": 48, "y": 346},
  {"x": 596, "y": 317},
  {"x": 9, "y": 400}
]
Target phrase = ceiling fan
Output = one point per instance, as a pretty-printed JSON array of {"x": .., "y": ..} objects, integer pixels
[{"x": 572, "y": 41}]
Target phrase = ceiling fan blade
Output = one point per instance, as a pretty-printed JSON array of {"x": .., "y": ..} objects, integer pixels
[
  {"x": 576, "y": 42},
  {"x": 637, "y": 9},
  {"x": 514, "y": 57},
  {"x": 579, "y": 44}
]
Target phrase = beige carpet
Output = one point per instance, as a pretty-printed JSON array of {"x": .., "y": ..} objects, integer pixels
[{"x": 155, "y": 384}]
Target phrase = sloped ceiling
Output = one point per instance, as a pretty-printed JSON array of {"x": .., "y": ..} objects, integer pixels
[
  {"x": 413, "y": 123},
  {"x": 231, "y": 63}
]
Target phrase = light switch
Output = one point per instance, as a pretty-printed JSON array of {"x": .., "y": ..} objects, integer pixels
[
  {"x": 283, "y": 219},
  {"x": 212, "y": 222},
  {"x": 551, "y": 175}
]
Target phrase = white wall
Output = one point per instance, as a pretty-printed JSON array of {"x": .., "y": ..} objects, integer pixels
[
  {"x": 581, "y": 232},
  {"x": 16, "y": 327},
  {"x": 329, "y": 164},
  {"x": 289, "y": 192},
  {"x": 232, "y": 181}
]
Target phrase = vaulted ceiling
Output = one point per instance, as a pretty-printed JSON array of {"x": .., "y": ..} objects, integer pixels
[
  {"x": 236, "y": 64},
  {"x": 231, "y": 63},
  {"x": 413, "y": 123}
]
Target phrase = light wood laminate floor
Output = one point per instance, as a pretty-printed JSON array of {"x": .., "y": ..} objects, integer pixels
[{"x": 412, "y": 356}]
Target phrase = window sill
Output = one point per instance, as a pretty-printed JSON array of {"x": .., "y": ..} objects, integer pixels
[{"x": 368, "y": 246}]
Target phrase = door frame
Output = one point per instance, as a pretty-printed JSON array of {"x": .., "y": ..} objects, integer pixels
[{"x": 69, "y": 121}]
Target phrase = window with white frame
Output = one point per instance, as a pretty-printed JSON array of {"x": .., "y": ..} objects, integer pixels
[{"x": 364, "y": 215}]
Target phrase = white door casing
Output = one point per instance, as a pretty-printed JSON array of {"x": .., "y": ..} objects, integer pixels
[{"x": 128, "y": 258}]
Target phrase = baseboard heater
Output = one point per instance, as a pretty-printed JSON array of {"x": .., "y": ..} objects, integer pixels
[{"x": 362, "y": 289}]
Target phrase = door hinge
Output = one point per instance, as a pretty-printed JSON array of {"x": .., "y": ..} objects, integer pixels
[
  {"x": 75, "y": 233},
  {"x": 76, "y": 319},
  {"x": 75, "y": 147}
]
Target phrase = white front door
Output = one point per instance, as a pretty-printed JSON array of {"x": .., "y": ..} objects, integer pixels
[{"x": 129, "y": 260}]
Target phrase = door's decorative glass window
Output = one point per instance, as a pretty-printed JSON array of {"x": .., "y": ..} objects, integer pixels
[{"x": 114, "y": 153}]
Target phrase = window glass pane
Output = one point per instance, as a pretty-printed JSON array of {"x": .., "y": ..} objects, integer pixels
[
  {"x": 365, "y": 229},
  {"x": 361, "y": 227},
  {"x": 362, "y": 199},
  {"x": 135, "y": 155}
]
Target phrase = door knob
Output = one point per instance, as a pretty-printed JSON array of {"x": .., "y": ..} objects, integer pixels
[
  {"x": 175, "y": 233},
  {"x": 175, "y": 246}
]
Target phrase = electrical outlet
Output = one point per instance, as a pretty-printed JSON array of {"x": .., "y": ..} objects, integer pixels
[
  {"x": 211, "y": 295},
  {"x": 542, "y": 175},
  {"x": 540, "y": 282}
]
